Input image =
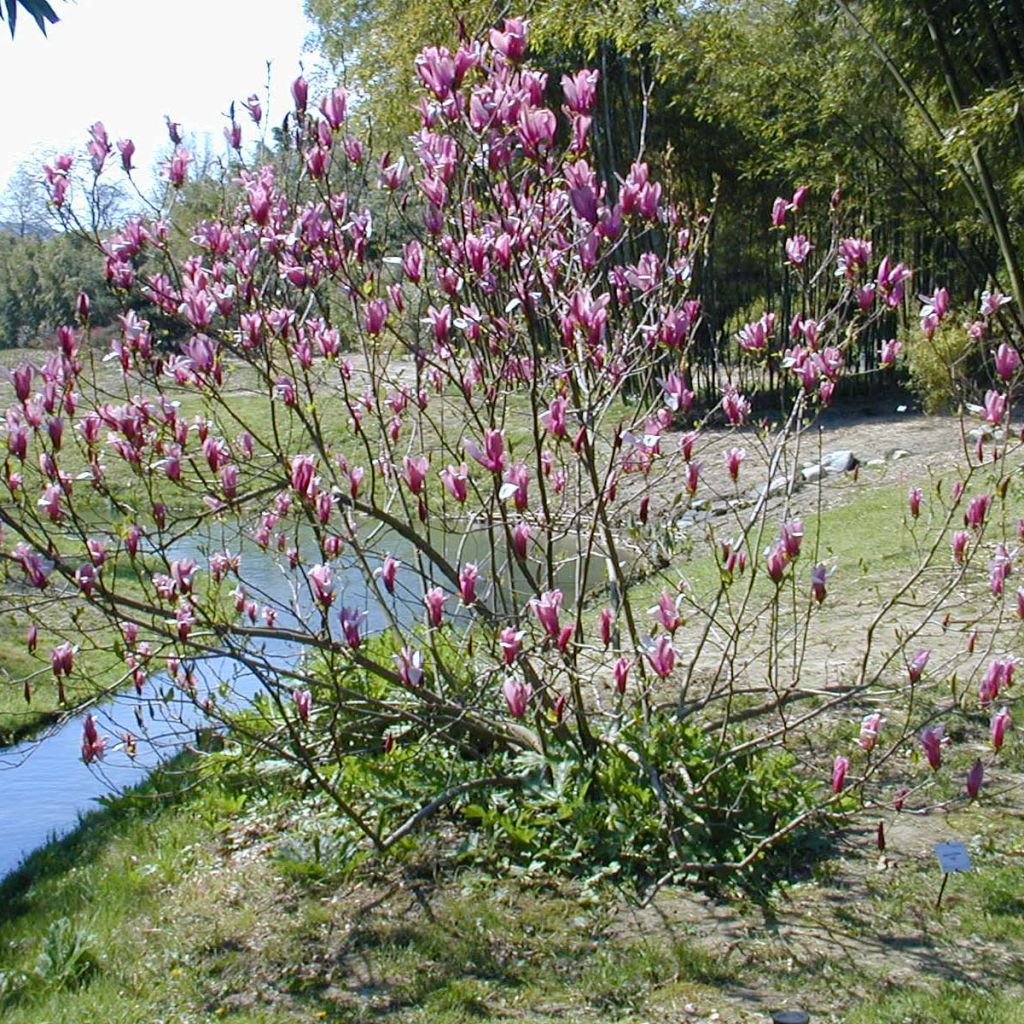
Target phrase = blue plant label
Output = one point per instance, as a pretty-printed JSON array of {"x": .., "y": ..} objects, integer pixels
[{"x": 952, "y": 857}]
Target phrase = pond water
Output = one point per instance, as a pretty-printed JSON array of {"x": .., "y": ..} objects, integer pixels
[{"x": 45, "y": 786}]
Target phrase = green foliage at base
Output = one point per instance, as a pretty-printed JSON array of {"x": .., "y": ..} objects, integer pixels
[{"x": 662, "y": 794}]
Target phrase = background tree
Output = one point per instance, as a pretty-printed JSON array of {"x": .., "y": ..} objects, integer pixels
[
  {"x": 738, "y": 99},
  {"x": 23, "y": 204}
]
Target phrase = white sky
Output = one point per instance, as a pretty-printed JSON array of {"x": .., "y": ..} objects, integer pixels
[{"x": 129, "y": 62}]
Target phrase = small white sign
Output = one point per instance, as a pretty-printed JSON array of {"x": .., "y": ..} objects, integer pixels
[{"x": 952, "y": 857}]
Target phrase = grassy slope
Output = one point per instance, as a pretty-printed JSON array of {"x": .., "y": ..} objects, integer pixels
[{"x": 197, "y": 909}]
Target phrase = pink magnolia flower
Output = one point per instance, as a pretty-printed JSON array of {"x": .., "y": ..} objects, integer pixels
[
  {"x": 977, "y": 510},
  {"x": 93, "y": 744},
  {"x": 686, "y": 442},
  {"x": 410, "y": 666},
  {"x": 662, "y": 656},
  {"x": 516, "y": 485},
  {"x": 554, "y": 420},
  {"x": 333, "y": 106},
  {"x": 303, "y": 479},
  {"x": 995, "y": 407},
  {"x": 351, "y": 620},
  {"x": 468, "y": 577},
  {"x": 890, "y": 281},
  {"x": 182, "y": 571},
  {"x": 798, "y": 248},
  {"x": 775, "y": 562},
  {"x": 621, "y": 673},
  {"x": 934, "y": 310},
  {"x": 252, "y": 105},
  {"x": 300, "y": 93},
  {"x": 974, "y": 779},
  {"x": 434, "y": 599},
  {"x": 734, "y": 459},
  {"x": 387, "y": 573},
  {"x": 176, "y": 169},
  {"x": 184, "y": 620},
  {"x": 819, "y": 575},
  {"x": 437, "y": 71},
  {"x": 870, "y": 727},
  {"x": 323, "y": 586},
  {"x": 546, "y": 608},
  {"x": 678, "y": 397},
  {"x": 666, "y": 611},
  {"x": 916, "y": 665},
  {"x": 85, "y": 578},
  {"x": 960, "y": 541},
  {"x": 839, "y": 768},
  {"x": 692, "y": 476},
  {"x": 779, "y": 210},
  {"x": 375, "y": 316},
  {"x": 580, "y": 91},
  {"x": 32, "y": 564},
  {"x": 734, "y": 558},
  {"x": 62, "y": 660},
  {"x": 998, "y": 675},
  {"x": 605, "y": 625},
  {"x": 511, "y": 641},
  {"x": 520, "y": 539},
  {"x": 791, "y": 537},
  {"x": 229, "y": 481},
  {"x": 933, "y": 740},
  {"x": 565, "y": 634},
  {"x": 127, "y": 150},
  {"x": 1007, "y": 359},
  {"x": 414, "y": 471},
  {"x": 303, "y": 702},
  {"x": 992, "y": 301},
  {"x": 493, "y": 455},
  {"x": 754, "y": 338},
  {"x": 221, "y": 563},
  {"x": 131, "y": 541},
  {"x": 914, "y": 496},
  {"x": 735, "y": 407},
  {"x": 999, "y": 568},
  {"x": 890, "y": 350},
  {"x": 456, "y": 480},
  {"x": 1001, "y": 721},
  {"x": 517, "y": 695}
]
